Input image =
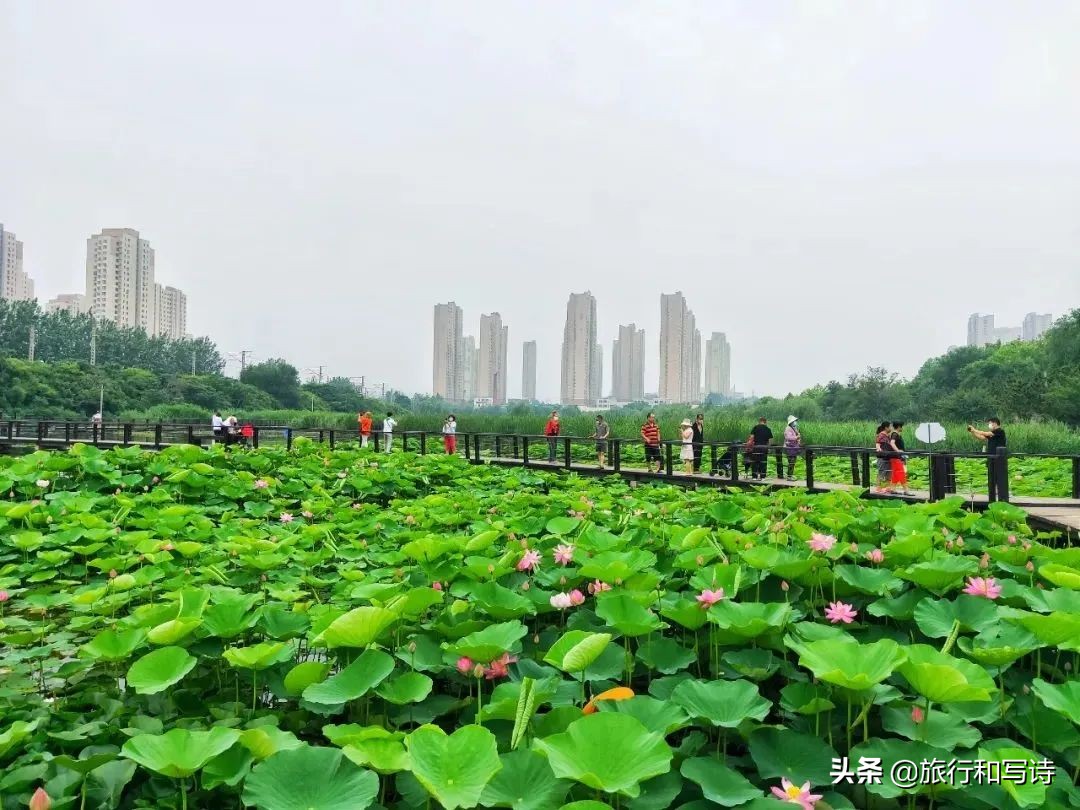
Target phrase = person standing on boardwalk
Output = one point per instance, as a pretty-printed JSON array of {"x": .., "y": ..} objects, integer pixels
[
  {"x": 885, "y": 450},
  {"x": 388, "y": 425},
  {"x": 699, "y": 440},
  {"x": 994, "y": 436},
  {"x": 686, "y": 452},
  {"x": 365, "y": 428},
  {"x": 551, "y": 430},
  {"x": 603, "y": 430},
  {"x": 247, "y": 434},
  {"x": 792, "y": 445},
  {"x": 217, "y": 424},
  {"x": 898, "y": 464},
  {"x": 759, "y": 441},
  {"x": 650, "y": 434},
  {"x": 449, "y": 435}
]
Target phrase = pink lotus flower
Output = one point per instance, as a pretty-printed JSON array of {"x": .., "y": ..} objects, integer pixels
[
  {"x": 793, "y": 794},
  {"x": 40, "y": 800},
  {"x": 821, "y": 542},
  {"x": 499, "y": 667},
  {"x": 597, "y": 586},
  {"x": 986, "y": 587},
  {"x": 917, "y": 715},
  {"x": 4, "y": 596},
  {"x": 464, "y": 665},
  {"x": 577, "y": 597},
  {"x": 286, "y": 517},
  {"x": 564, "y": 554},
  {"x": 560, "y": 601},
  {"x": 876, "y": 556},
  {"x": 838, "y": 612},
  {"x": 261, "y": 484},
  {"x": 1012, "y": 539},
  {"x": 529, "y": 561},
  {"x": 436, "y": 585},
  {"x": 709, "y": 598}
]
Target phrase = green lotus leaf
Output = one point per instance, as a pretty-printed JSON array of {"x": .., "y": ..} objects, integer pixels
[
  {"x": 660, "y": 716},
  {"x": 1026, "y": 792},
  {"x": 998, "y": 646},
  {"x": 719, "y": 783},
  {"x": 722, "y": 703},
  {"x": 84, "y": 764},
  {"x": 160, "y": 669},
  {"x": 369, "y": 669},
  {"x": 576, "y": 650},
  {"x": 664, "y": 654},
  {"x": 800, "y": 697},
  {"x": 941, "y": 574},
  {"x": 936, "y": 617},
  {"x": 490, "y": 643},
  {"x": 939, "y": 728},
  {"x": 453, "y": 768},
  {"x": 1063, "y": 698},
  {"x": 259, "y": 656},
  {"x": 179, "y": 753},
  {"x": 113, "y": 645},
  {"x": 747, "y": 620},
  {"x": 783, "y": 753},
  {"x": 410, "y": 687},
  {"x": 621, "y": 611},
  {"x": 889, "y": 751},
  {"x": 755, "y": 663},
  {"x": 501, "y": 603},
  {"x": 845, "y": 662},
  {"x": 941, "y": 678},
  {"x": 562, "y": 525},
  {"x": 308, "y": 777},
  {"x": 613, "y": 566},
  {"x": 878, "y": 581},
  {"x": 228, "y": 768},
  {"x": 265, "y": 741},
  {"x": 231, "y": 616},
  {"x": 172, "y": 631},
  {"x": 684, "y": 611},
  {"x": 15, "y": 734},
  {"x": 304, "y": 674},
  {"x": 106, "y": 783},
  {"x": 607, "y": 751},
  {"x": 1059, "y": 629},
  {"x": 357, "y": 628},
  {"x": 525, "y": 782},
  {"x": 1061, "y": 575}
]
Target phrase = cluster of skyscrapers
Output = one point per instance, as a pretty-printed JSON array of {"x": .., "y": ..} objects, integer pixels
[
  {"x": 982, "y": 331},
  {"x": 120, "y": 284},
  {"x": 464, "y": 372}
]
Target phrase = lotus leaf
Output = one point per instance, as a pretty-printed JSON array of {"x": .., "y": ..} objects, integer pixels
[
  {"x": 454, "y": 768},
  {"x": 307, "y": 777}
]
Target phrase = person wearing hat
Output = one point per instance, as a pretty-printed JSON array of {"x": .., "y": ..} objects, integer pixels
[
  {"x": 792, "y": 445},
  {"x": 687, "y": 451}
]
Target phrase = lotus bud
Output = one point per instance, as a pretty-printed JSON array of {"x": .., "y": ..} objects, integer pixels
[
  {"x": 436, "y": 585},
  {"x": 948, "y": 544},
  {"x": 4, "y": 596},
  {"x": 491, "y": 568},
  {"x": 1027, "y": 689},
  {"x": 1039, "y": 585},
  {"x": 1030, "y": 566},
  {"x": 700, "y": 560},
  {"x": 854, "y": 548},
  {"x": 959, "y": 542},
  {"x": 618, "y": 581},
  {"x": 917, "y": 715},
  {"x": 1068, "y": 666},
  {"x": 784, "y": 586},
  {"x": 562, "y": 580},
  {"x": 112, "y": 573},
  {"x": 536, "y": 640},
  {"x": 478, "y": 671},
  {"x": 262, "y": 578},
  {"x": 1012, "y": 539},
  {"x": 412, "y": 646},
  {"x": 525, "y": 585},
  {"x": 464, "y": 665},
  {"x": 40, "y": 800}
]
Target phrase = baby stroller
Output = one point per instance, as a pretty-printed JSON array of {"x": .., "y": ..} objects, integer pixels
[{"x": 723, "y": 462}]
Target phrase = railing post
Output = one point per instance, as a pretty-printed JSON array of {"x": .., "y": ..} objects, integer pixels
[
  {"x": 524, "y": 451},
  {"x": 288, "y": 438},
  {"x": 157, "y": 436},
  {"x": 667, "y": 462},
  {"x": 865, "y": 468},
  {"x": 734, "y": 462},
  {"x": 321, "y": 436},
  {"x": 616, "y": 454},
  {"x": 255, "y": 436},
  {"x": 808, "y": 461},
  {"x": 779, "y": 462},
  {"x": 331, "y": 438},
  {"x": 712, "y": 459},
  {"x": 41, "y": 428},
  {"x": 498, "y": 446},
  {"x": 937, "y": 477},
  {"x": 566, "y": 452},
  {"x": 129, "y": 429},
  {"x": 855, "y": 480},
  {"x": 67, "y": 432},
  {"x": 948, "y": 480},
  {"x": 375, "y": 436},
  {"x": 515, "y": 446},
  {"x": 1076, "y": 477},
  {"x": 191, "y": 434},
  {"x": 476, "y": 447},
  {"x": 405, "y": 442},
  {"x": 991, "y": 477},
  {"x": 423, "y": 442}
]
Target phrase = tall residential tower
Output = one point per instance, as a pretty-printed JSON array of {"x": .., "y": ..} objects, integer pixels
[
  {"x": 628, "y": 364},
  {"x": 446, "y": 367},
  {"x": 491, "y": 368},
  {"x": 580, "y": 354},
  {"x": 718, "y": 365},
  {"x": 680, "y": 351},
  {"x": 528, "y": 370},
  {"x": 15, "y": 284}
]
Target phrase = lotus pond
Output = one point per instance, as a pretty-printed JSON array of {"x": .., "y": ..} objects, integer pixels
[{"x": 340, "y": 630}]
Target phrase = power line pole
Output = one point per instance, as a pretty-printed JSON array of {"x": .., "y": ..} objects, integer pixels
[
  {"x": 93, "y": 340},
  {"x": 243, "y": 359},
  {"x": 33, "y": 339},
  {"x": 320, "y": 375}
]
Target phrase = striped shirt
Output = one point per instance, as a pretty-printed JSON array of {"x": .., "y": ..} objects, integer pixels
[{"x": 650, "y": 433}]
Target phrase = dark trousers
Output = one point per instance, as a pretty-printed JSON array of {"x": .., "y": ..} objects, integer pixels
[
  {"x": 553, "y": 445},
  {"x": 761, "y": 462},
  {"x": 697, "y": 457}
]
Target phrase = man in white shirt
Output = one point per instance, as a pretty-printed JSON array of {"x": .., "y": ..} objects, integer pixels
[
  {"x": 388, "y": 426},
  {"x": 217, "y": 423}
]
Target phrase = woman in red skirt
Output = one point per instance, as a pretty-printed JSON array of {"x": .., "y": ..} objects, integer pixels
[
  {"x": 449, "y": 435},
  {"x": 899, "y": 477}
]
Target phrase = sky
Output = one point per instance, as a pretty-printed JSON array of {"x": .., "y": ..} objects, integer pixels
[{"x": 833, "y": 185}]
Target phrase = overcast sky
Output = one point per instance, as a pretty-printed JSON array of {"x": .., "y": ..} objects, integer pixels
[{"x": 832, "y": 184}]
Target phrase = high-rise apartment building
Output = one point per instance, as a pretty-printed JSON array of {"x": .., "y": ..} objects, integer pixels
[
  {"x": 596, "y": 375},
  {"x": 491, "y": 368},
  {"x": 469, "y": 360},
  {"x": 579, "y": 351},
  {"x": 171, "y": 312},
  {"x": 718, "y": 365},
  {"x": 1005, "y": 334},
  {"x": 528, "y": 370},
  {"x": 120, "y": 278},
  {"x": 1035, "y": 325},
  {"x": 72, "y": 303},
  {"x": 447, "y": 371},
  {"x": 15, "y": 284},
  {"x": 680, "y": 351},
  {"x": 980, "y": 331},
  {"x": 628, "y": 364}
]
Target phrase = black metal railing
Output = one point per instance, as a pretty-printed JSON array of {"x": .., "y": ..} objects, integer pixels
[{"x": 730, "y": 462}]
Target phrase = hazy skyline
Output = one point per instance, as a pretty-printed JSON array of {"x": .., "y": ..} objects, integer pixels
[{"x": 833, "y": 185}]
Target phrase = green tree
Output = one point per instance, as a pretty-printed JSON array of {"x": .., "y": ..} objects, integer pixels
[{"x": 277, "y": 378}]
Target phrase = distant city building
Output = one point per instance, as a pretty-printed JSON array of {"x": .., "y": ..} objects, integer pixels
[
  {"x": 15, "y": 283},
  {"x": 628, "y": 364},
  {"x": 120, "y": 278},
  {"x": 468, "y": 357},
  {"x": 483, "y": 402},
  {"x": 491, "y": 368},
  {"x": 596, "y": 377},
  {"x": 171, "y": 312},
  {"x": 718, "y": 365},
  {"x": 581, "y": 363},
  {"x": 72, "y": 303},
  {"x": 446, "y": 367},
  {"x": 1005, "y": 334},
  {"x": 980, "y": 330},
  {"x": 680, "y": 351},
  {"x": 528, "y": 371},
  {"x": 1035, "y": 325}
]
